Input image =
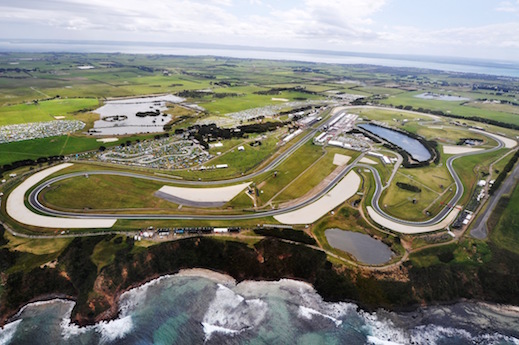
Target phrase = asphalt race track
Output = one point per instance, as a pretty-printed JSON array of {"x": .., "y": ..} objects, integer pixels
[{"x": 34, "y": 202}]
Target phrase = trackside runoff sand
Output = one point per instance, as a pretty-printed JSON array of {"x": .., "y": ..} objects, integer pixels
[
  {"x": 205, "y": 195},
  {"x": 455, "y": 149},
  {"x": 340, "y": 160},
  {"x": 16, "y": 208},
  {"x": 309, "y": 214},
  {"x": 410, "y": 229},
  {"x": 509, "y": 143}
]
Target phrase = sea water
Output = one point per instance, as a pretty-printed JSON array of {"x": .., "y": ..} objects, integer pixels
[
  {"x": 510, "y": 69},
  {"x": 196, "y": 310}
]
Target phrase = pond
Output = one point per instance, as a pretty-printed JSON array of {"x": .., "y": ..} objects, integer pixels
[
  {"x": 363, "y": 247},
  {"x": 133, "y": 115},
  {"x": 441, "y": 97},
  {"x": 412, "y": 146}
]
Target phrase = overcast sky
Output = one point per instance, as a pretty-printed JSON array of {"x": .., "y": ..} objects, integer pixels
[{"x": 460, "y": 28}]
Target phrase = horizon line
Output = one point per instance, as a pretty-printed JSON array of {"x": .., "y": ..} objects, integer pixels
[{"x": 507, "y": 64}]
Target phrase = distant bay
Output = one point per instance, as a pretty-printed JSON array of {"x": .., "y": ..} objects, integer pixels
[{"x": 487, "y": 67}]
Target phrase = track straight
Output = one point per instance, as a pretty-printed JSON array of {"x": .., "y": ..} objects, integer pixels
[{"x": 34, "y": 202}]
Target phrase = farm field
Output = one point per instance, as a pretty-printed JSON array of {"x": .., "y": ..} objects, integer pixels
[
  {"x": 461, "y": 108},
  {"x": 214, "y": 87},
  {"x": 45, "y": 110}
]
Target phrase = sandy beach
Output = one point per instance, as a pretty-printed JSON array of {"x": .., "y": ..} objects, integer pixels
[{"x": 220, "y": 278}]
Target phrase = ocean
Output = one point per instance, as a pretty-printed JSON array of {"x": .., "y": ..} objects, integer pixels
[
  {"x": 496, "y": 68},
  {"x": 202, "y": 307}
]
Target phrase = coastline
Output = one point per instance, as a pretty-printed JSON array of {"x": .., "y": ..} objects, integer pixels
[
  {"x": 225, "y": 279},
  {"x": 230, "y": 263},
  {"x": 415, "y": 314},
  {"x": 36, "y": 301}
]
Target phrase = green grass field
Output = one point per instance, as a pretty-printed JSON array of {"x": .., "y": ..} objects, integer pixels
[
  {"x": 289, "y": 170},
  {"x": 104, "y": 251},
  {"x": 240, "y": 162},
  {"x": 314, "y": 175},
  {"x": 117, "y": 75},
  {"x": 457, "y": 108},
  {"x": 53, "y": 146},
  {"x": 40, "y": 247},
  {"x": 388, "y": 115},
  {"x": 470, "y": 169},
  {"x": 405, "y": 204},
  {"x": 44, "y": 110},
  {"x": 449, "y": 135},
  {"x": 504, "y": 108},
  {"x": 133, "y": 225},
  {"x": 106, "y": 192},
  {"x": 250, "y": 100},
  {"x": 506, "y": 233},
  {"x": 466, "y": 252},
  {"x": 33, "y": 253}
]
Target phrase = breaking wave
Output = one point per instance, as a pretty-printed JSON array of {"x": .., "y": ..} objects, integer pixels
[
  {"x": 231, "y": 313},
  {"x": 8, "y": 331},
  {"x": 197, "y": 310},
  {"x": 383, "y": 331}
]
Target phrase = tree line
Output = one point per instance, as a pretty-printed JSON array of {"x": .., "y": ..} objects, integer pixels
[
  {"x": 409, "y": 187},
  {"x": 454, "y": 116},
  {"x": 508, "y": 167},
  {"x": 29, "y": 162}
]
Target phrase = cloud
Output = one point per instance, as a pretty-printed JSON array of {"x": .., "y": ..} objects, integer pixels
[
  {"x": 148, "y": 15},
  {"x": 508, "y": 6},
  {"x": 487, "y": 37},
  {"x": 313, "y": 19},
  {"x": 322, "y": 24},
  {"x": 322, "y": 21}
]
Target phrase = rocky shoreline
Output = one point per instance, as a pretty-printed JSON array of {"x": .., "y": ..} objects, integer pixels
[{"x": 97, "y": 294}]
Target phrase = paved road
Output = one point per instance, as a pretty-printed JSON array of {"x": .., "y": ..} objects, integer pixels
[
  {"x": 33, "y": 197},
  {"x": 480, "y": 229},
  {"x": 35, "y": 203},
  {"x": 446, "y": 210}
]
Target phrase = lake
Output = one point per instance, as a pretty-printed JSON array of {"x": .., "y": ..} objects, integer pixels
[
  {"x": 119, "y": 117},
  {"x": 412, "y": 146},
  {"x": 363, "y": 247},
  {"x": 441, "y": 97}
]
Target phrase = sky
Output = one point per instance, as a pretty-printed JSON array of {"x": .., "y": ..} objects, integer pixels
[{"x": 485, "y": 29}]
